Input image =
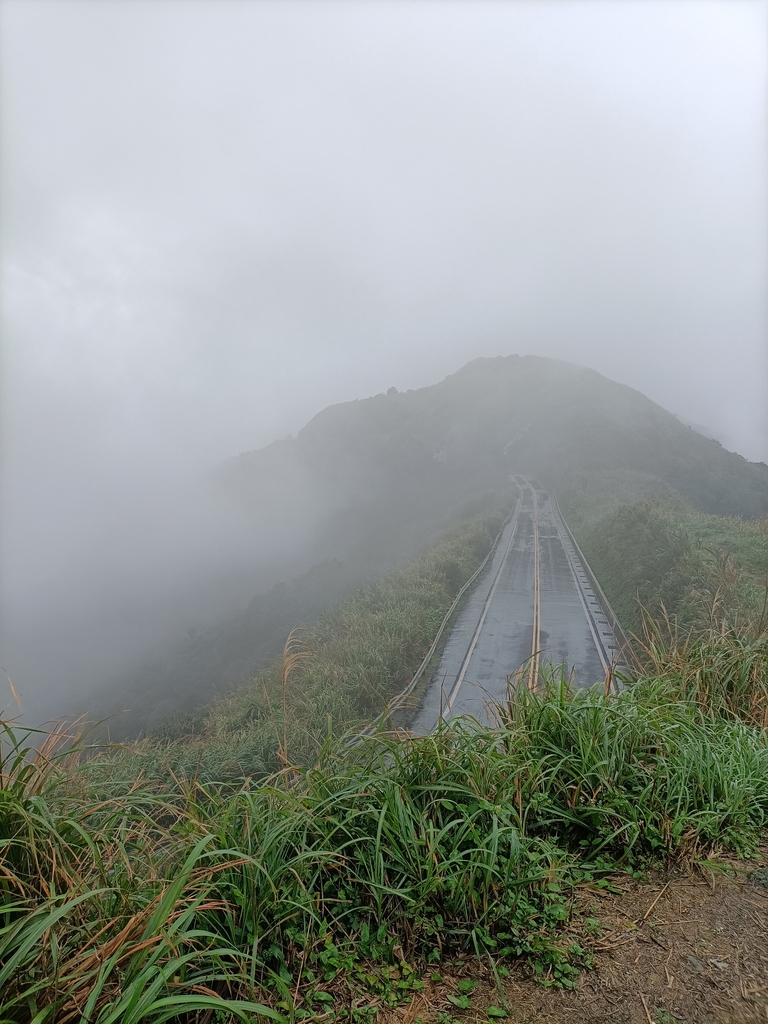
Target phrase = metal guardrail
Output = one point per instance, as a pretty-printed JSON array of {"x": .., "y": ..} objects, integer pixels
[
  {"x": 605, "y": 604},
  {"x": 397, "y": 702},
  {"x": 399, "y": 699}
]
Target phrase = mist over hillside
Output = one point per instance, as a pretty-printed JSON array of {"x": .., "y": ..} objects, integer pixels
[
  {"x": 367, "y": 484},
  {"x": 377, "y": 457}
]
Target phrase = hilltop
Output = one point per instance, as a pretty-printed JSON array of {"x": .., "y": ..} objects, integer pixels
[{"x": 521, "y": 414}]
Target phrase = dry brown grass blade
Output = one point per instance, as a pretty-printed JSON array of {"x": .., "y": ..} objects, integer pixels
[
  {"x": 608, "y": 682},
  {"x": 294, "y": 652},
  {"x": 645, "y": 1007},
  {"x": 13, "y": 690},
  {"x": 129, "y": 941},
  {"x": 134, "y": 924},
  {"x": 762, "y": 623},
  {"x": 649, "y": 911}
]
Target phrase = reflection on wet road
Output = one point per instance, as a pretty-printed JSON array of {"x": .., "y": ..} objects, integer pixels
[{"x": 533, "y": 604}]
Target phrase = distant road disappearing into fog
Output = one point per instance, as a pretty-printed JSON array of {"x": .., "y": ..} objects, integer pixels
[{"x": 534, "y": 603}]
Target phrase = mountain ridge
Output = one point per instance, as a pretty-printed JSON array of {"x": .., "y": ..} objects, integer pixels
[{"x": 526, "y": 413}]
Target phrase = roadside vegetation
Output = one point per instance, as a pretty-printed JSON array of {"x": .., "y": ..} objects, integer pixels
[
  {"x": 336, "y": 887},
  {"x": 652, "y": 550},
  {"x": 338, "y": 674}
]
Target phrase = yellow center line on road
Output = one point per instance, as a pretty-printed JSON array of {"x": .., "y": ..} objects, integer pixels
[
  {"x": 462, "y": 672},
  {"x": 533, "y": 668}
]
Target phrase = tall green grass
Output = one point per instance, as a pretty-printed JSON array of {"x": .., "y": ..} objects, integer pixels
[
  {"x": 103, "y": 902},
  {"x": 723, "y": 669},
  {"x": 171, "y": 898},
  {"x": 649, "y": 770},
  {"x": 665, "y": 556}
]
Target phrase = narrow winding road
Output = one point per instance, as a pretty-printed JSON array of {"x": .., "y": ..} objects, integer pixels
[{"x": 533, "y": 604}]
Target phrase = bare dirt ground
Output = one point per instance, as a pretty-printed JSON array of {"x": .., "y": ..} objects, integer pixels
[{"x": 681, "y": 946}]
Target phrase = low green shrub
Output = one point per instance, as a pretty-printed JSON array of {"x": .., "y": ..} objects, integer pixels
[{"x": 671, "y": 559}]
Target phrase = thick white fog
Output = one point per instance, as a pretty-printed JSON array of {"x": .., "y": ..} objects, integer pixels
[{"x": 219, "y": 217}]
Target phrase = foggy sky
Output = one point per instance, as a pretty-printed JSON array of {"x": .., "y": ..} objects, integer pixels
[{"x": 218, "y": 218}]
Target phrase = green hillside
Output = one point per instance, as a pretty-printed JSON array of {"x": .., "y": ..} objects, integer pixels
[{"x": 525, "y": 414}]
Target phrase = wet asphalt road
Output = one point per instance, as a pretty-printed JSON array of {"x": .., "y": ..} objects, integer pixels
[{"x": 533, "y": 603}]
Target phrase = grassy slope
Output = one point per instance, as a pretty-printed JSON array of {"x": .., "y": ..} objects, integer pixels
[
  {"x": 649, "y": 546},
  {"x": 363, "y": 651},
  {"x": 230, "y": 653}
]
